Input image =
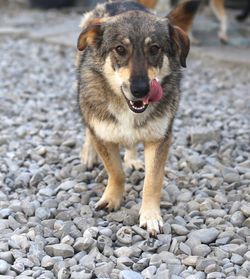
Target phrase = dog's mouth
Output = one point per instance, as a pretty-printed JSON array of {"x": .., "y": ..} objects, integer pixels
[
  {"x": 154, "y": 95},
  {"x": 137, "y": 106}
]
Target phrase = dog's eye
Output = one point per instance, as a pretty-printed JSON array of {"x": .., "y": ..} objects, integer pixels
[
  {"x": 154, "y": 49},
  {"x": 121, "y": 50}
]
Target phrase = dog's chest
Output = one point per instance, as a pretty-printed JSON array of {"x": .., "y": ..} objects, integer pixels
[{"x": 125, "y": 132}]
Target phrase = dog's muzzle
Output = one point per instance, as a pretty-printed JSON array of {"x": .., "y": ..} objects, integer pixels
[{"x": 140, "y": 105}]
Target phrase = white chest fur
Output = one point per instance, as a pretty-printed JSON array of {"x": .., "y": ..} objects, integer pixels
[{"x": 123, "y": 132}]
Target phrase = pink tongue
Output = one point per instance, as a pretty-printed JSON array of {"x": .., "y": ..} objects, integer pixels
[{"x": 155, "y": 92}]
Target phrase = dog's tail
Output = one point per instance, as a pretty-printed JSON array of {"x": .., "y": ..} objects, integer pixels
[{"x": 183, "y": 14}]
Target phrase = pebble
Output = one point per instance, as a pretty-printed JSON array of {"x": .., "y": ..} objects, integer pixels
[
  {"x": 179, "y": 229},
  {"x": 206, "y": 236},
  {"x": 190, "y": 260},
  {"x": 129, "y": 274},
  {"x": 245, "y": 210},
  {"x": 201, "y": 250},
  {"x": 63, "y": 250},
  {"x": 4, "y": 266},
  {"x": 124, "y": 235}
]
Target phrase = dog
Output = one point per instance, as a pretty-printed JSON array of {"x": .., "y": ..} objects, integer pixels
[
  {"x": 128, "y": 78},
  {"x": 218, "y": 8}
]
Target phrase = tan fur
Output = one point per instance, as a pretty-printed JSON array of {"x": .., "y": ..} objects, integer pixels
[
  {"x": 109, "y": 152},
  {"x": 150, "y": 4},
  {"x": 155, "y": 158},
  {"x": 88, "y": 154},
  {"x": 218, "y": 7},
  {"x": 130, "y": 159}
]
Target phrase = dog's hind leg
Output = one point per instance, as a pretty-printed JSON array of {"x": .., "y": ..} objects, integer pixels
[
  {"x": 112, "y": 196},
  {"x": 155, "y": 158},
  {"x": 219, "y": 11},
  {"x": 88, "y": 155},
  {"x": 131, "y": 160}
]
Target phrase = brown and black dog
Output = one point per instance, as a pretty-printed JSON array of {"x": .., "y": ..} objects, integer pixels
[{"x": 129, "y": 70}]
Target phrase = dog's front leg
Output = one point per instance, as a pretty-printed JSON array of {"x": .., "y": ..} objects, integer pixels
[
  {"x": 155, "y": 158},
  {"x": 109, "y": 153}
]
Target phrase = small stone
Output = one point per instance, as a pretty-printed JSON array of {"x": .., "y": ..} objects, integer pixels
[
  {"x": 246, "y": 266},
  {"x": 246, "y": 223},
  {"x": 185, "y": 248},
  {"x": 205, "y": 235},
  {"x": 140, "y": 231},
  {"x": 124, "y": 235},
  {"x": 155, "y": 260},
  {"x": 190, "y": 260},
  {"x": 164, "y": 274},
  {"x": 245, "y": 210},
  {"x": 237, "y": 218},
  {"x": 201, "y": 250},
  {"x": 123, "y": 251},
  {"x": 179, "y": 229},
  {"x": 63, "y": 273},
  {"x": 203, "y": 263},
  {"x": 195, "y": 162},
  {"x": 4, "y": 266},
  {"x": 5, "y": 213},
  {"x": 247, "y": 256},
  {"x": 129, "y": 274},
  {"x": 149, "y": 272},
  {"x": 237, "y": 259},
  {"x": 150, "y": 245},
  {"x": 212, "y": 268},
  {"x": 216, "y": 275},
  {"x": 125, "y": 261},
  {"x": 104, "y": 269},
  {"x": 63, "y": 250},
  {"x": 42, "y": 213},
  {"x": 83, "y": 243}
]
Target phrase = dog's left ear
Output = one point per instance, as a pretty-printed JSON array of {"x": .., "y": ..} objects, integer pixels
[
  {"x": 90, "y": 34},
  {"x": 181, "y": 41}
]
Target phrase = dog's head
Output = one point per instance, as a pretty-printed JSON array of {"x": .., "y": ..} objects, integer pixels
[{"x": 138, "y": 50}]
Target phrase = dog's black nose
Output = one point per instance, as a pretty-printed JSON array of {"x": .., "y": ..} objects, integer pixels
[{"x": 139, "y": 87}]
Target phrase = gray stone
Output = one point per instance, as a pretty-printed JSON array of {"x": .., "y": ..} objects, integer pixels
[
  {"x": 201, "y": 250},
  {"x": 42, "y": 213},
  {"x": 124, "y": 235},
  {"x": 155, "y": 260},
  {"x": 216, "y": 275},
  {"x": 83, "y": 243},
  {"x": 237, "y": 218},
  {"x": 63, "y": 273},
  {"x": 129, "y": 274},
  {"x": 245, "y": 210},
  {"x": 179, "y": 229},
  {"x": 205, "y": 235},
  {"x": 237, "y": 259},
  {"x": 149, "y": 272},
  {"x": 4, "y": 266},
  {"x": 63, "y": 250},
  {"x": 190, "y": 260}
]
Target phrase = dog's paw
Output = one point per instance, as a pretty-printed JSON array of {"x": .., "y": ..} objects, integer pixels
[
  {"x": 151, "y": 220},
  {"x": 135, "y": 164},
  {"x": 223, "y": 38},
  {"x": 89, "y": 157},
  {"x": 109, "y": 202}
]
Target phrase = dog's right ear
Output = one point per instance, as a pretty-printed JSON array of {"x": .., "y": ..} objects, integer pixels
[{"x": 90, "y": 34}]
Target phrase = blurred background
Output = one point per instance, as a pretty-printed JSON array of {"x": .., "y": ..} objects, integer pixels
[{"x": 58, "y": 20}]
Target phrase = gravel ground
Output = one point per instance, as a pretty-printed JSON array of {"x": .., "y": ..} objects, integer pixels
[{"x": 48, "y": 225}]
